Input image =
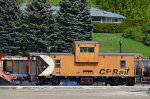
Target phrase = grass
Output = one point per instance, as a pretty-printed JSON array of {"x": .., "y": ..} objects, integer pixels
[
  {"x": 54, "y": 2},
  {"x": 110, "y": 43}
]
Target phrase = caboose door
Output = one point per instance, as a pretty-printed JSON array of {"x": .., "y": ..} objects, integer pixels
[{"x": 58, "y": 67}]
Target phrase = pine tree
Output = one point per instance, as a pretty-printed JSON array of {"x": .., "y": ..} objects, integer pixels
[
  {"x": 39, "y": 28},
  {"x": 74, "y": 22},
  {"x": 9, "y": 27},
  {"x": 55, "y": 39}
]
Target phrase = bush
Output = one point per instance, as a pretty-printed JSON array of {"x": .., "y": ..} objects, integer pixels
[
  {"x": 107, "y": 28},
  {"x": 133, "y": 33},
  {"x": 118, "y": 28},
  {"x": 126, "y": 23},
  {"x": 141, "y": 34},
  {"x": 146, "y": 28},
  {"x": 146, "y": 40},
  {"x": 146, "y": 33}
]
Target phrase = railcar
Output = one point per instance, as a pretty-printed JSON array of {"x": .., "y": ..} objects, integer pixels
[
  {"x": 145, "y": 75},
  {"x": 85, "y": 65}
]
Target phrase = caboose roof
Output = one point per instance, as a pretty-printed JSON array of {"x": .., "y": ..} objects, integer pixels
[
  {"x": 121, "y": 54},
  {"x": 51, "y": 53},
  {"x": 85, "y": 42},
  {"x": 101, "y": 54}
]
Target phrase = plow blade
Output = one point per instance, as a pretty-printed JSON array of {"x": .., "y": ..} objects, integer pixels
[{"x": 6, "y": 80}]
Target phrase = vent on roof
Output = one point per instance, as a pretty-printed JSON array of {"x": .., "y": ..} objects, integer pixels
[{"x": 104, "y": 12}]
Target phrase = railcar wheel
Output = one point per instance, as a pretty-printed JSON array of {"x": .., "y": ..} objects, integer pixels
[
  {"x": 40, "y": 81},
  {"x": 130, "y": 82},
  {"x": 114, "y": 82},
  {"x": 55, "y": 82},
  {"x": 86, "y": 81}
]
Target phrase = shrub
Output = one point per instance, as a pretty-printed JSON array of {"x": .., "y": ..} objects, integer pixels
[
  {"x": 133, "y": 33},
  {"x": 146, "y": 28},
  {"x": 146, "y": 33},
  {"x": 146, "y": 40},
  {"x": 120, "y": 27},
  {"x": 126, "y": 23},
  {"x": 107, "y": 28},
  {"x": 141, "y": 34}
]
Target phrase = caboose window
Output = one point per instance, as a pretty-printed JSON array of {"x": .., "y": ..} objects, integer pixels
[
  {"x": 123, "y": 64},
  {"x": 87, "y": 49},
  {"x": 91, "y": 50},
  {"x": 83, "y": 49},
  {"x": 57, "y": 64}
]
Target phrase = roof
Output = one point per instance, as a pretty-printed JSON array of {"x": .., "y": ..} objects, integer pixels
[
  {"x": 85, "y": 42},
  {"x": 50, "y": 53},
  {"x": 94, "y": 12},
  {"x": 14, "y": 58},
  {"x": 97, "y": 12},
  {"x": 101, "y": 54},
  {"x": 121, "y": 54}
]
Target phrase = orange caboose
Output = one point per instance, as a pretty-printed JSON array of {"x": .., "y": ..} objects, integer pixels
[{"x": 85, "y": 65}]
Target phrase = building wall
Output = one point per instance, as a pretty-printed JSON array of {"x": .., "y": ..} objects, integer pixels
[{"x": 107, "y": 20}]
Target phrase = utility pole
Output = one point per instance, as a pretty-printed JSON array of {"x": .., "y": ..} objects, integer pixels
[{"x": 120, "y": 44}]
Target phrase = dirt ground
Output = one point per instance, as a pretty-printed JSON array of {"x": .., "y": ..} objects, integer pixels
[{"x": 75, "y": 92}]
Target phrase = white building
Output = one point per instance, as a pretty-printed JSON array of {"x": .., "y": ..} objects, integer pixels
[
  {"x": 105, "y": 17},
  {"x": 102, "y": 16},
  {"x": 97, "y": 15}
]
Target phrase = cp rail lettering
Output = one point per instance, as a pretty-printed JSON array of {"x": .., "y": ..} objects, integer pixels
[{"x": 114, "y": 71}]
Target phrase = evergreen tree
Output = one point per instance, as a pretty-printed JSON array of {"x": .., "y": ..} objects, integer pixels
[
  {"x": 39, "y": 28},
  {"x": 74, "y": 22},
  {"x": 9, "y": 27},
  {"x": 55, "y": 39}
]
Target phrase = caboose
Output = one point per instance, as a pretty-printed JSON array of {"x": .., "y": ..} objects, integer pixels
[{"x": 85, "y": 65}]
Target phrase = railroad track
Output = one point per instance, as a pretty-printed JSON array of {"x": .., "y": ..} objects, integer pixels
[{"x": 27, "y": 83}]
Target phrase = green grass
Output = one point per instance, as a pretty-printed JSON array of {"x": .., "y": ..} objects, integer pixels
[
  {"x": 53, "y": 2},
  {"x": 110, "y": 43}
]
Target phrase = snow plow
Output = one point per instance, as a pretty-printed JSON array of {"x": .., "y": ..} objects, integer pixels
[{"x": 5, "y": 79}]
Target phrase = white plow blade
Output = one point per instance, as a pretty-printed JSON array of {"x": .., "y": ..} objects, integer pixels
[{"x": 50, "y": 67}]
